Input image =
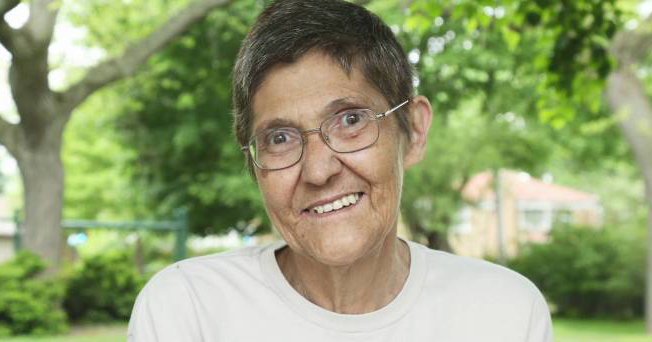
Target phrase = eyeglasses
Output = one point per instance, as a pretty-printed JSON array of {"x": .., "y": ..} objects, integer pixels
[{"x": 349, "y": 131}]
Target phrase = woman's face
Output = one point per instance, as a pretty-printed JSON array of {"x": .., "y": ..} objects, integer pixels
[{"x": 302, "y": 94}]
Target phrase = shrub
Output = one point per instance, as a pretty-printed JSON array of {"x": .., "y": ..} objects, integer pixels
[
  {"x": 103, "y": 288},
  {"x": 588, "y": 272},
  {"x": 28, "y": 304}
]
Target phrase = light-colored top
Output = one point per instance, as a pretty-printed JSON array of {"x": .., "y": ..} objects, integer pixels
[{"x": 243, "y": 296}]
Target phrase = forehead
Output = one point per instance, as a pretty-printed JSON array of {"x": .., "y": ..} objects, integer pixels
[{"x": 309, "y": 89}]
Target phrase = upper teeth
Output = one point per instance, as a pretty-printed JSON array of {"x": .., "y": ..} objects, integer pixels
[{"x": 337, "y": 204}]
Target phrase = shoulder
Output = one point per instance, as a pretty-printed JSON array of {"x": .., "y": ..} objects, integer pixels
[
  {"x": 491, "y": 296},
  {"x": 212, "y": 276},
  {"x": 212, "y": 268},
  {"x": 479, "y": 286},
  {"x": 171, "y": 301},
  {"x": 477, "y": 276}
]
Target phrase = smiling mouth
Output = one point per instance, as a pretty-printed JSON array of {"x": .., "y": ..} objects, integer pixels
[{"x": 341, "y": 203}]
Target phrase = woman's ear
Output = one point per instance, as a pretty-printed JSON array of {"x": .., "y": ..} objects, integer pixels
[{"x": 420, "y": 120}]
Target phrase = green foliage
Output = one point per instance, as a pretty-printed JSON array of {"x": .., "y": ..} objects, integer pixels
[
  {"x": 576, "y": 61},
  {"x": 561, "y": 46},
  {"x": 467, "y": 143},
  {"x": 177, "y": 118},
  {"x": 581, "y": 31},
  {"x": 112, "y": 24},
  {"x": 514, "y": 57},
  {"x": 478, "y": 74},
  {"x": 103, "y": 288},
  {"x": 29, "y": 304},
  {"x": 587, "y": 273},
  {"x": 174, "y": 148},
  {"x": 98, "y": 165}
]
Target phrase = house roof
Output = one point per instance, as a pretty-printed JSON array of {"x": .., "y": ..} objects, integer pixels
[{"x": 523, "y": 187}]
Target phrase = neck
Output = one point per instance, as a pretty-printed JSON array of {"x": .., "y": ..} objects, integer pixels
[{"x": 364, "y": 286}]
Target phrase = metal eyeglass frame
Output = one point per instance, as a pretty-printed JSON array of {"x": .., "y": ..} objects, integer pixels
[{"x": 325, "y": 138}]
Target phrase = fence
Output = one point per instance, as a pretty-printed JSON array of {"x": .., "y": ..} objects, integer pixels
[{"x": 178, "y": 226}]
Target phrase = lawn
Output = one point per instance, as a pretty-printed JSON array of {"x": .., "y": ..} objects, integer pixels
[
  {"x": 566, "y": 330},
  {"x": 92, "y": 333}
]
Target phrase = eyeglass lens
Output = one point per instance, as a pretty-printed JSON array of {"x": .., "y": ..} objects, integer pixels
[{"x": 348, "y": 131}]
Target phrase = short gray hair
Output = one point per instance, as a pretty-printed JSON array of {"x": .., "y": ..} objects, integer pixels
[{"x": 348, "y": 33}]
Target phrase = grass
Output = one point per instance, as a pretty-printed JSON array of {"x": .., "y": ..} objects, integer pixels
[
  {"x": 566, "y": 330},
  {"x": 574, "y": 330},
  {"x": 115, "y": 332}
]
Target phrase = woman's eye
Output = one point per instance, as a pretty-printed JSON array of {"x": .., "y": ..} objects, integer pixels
[
  {"x": 350, "y": 118},
  {"x": 279, "y": 138}
]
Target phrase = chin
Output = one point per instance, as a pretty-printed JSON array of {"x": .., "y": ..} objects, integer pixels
[{"x": 341, "y": 251}]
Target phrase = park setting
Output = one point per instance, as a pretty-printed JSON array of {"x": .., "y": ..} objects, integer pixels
[{"x": 119, "y": 157}]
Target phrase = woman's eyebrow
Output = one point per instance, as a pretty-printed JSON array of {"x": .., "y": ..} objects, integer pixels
[
  {"x": 337, "y": 104},
  {"x": 275, "y": 123},
  {"x": 330, "y": 109}
]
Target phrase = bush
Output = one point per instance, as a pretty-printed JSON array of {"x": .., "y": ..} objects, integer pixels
[
  {"x": 28, "y": 304},
  {"x": 103, "y": 288},
  {"x": 588, "y": 272}
]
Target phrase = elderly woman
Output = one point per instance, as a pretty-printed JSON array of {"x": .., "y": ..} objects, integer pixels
[{"x": 326, "y": 115}]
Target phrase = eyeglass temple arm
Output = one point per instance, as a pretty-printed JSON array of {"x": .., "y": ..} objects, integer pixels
[{"x": 382, "y": 115}]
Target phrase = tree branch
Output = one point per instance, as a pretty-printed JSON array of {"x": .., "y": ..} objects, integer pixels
[
  {"x": 40, "y": 24},
  {"x": 7, "y": 5},
  {"x": 137, "y": 53},
  {"x": 7, "y": 35},
  {"x": 627, "y": 98},
  {"x": 8, "y": 136},
  {"x": 630, "y": 47},
  {"x": 626, "y": 93}
]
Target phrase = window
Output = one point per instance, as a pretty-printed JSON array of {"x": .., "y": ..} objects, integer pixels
[
  {"x": 563, "y": 216},
  {"x": 533, "y": 219},
  {"x": 462, "y": 221}
]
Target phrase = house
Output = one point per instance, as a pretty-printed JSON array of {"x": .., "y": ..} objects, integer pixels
[
  {"x": 529, "y": 208},
  {"x": 7, "y": 229},
  {"x": 6, "y": 240}
]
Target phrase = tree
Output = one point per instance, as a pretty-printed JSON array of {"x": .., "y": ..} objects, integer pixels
[
  {"x": 176, "y": 116},
  {"x": 98, "y": 163},
  {"x": 631, "y": 104},
  {"x": 580, "y": 67},
  {"x": 483, "y": 92},
  {"x": 35, "y": 142},
  {"x": 469, "y": 143},
  {"x": 578, "y": 42}
]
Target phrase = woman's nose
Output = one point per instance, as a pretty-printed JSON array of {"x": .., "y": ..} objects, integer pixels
[{"x": 319, "y": 162}]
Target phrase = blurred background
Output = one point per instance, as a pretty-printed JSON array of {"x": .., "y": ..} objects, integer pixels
[{"x": 118, "y": 158}]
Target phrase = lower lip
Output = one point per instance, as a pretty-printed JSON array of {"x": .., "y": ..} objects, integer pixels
[{"x": 335, "y": 212}]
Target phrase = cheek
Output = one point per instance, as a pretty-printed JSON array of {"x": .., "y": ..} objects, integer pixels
[
  {"x": 382, "y": 167},
  {"x": 392, "y": 175},
  {"x": 390, "y": 159},
  {"x": 276, "y": 190}
]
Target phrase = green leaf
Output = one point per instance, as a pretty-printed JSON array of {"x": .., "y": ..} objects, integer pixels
[{"x": 511, "y": 37}]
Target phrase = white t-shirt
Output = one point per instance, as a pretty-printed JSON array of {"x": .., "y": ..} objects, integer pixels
[{"x": 243, "y": 296}]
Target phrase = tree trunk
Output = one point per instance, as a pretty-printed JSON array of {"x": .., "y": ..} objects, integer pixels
[
  {"x": 629, "y": 102},
  {"x": 41, "y": 168},
  {"x": 139, "y": 256},
  {"x": 648, "y": 290},
  {"x": 35, "y": 142},
  {"x": 439, "y": 241}
]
